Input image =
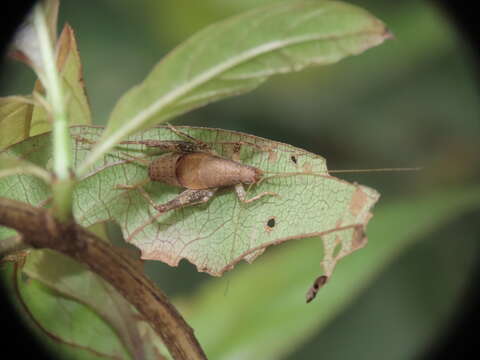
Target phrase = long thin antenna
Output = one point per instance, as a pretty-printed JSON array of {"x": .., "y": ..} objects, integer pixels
[
  {"x": 374, "y": 170},
  {"x": 327, "y": 172}
]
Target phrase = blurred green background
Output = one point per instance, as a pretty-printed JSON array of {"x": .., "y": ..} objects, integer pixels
[{"x": 412, "y": 101}]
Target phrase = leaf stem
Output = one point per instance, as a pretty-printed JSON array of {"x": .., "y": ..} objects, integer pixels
[{"x": 62, "y": 149}]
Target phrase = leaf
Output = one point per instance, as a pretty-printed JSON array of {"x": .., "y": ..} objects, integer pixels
[
  {"x": 25, "y": 43},
  {"x": 68, "y": 327},
  {"x": 30, "y": 189},
  {"x": 238, "y": 54},
  {"x": 51, "y": 12},
  {"x": 70, "y": 69},
  {"x": 267, "y": 305},
  {"x": 11, "y": 165},
  {"x": 15, "y": 117},
  {"x": 217, "y": 235},
  {"x": 21, "y": 119},
  {"x": 77, "y": 283}
]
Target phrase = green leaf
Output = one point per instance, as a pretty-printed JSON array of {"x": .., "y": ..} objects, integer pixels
[
  {"x": 77, "y": 283},
  {"x": 11, "y": 165},
  {"x": 69, "y": 327},
  {"x": 267, "y": 305},
  {"x": 238, "y": 54},
  {"x": 51, "y": 13},
  {"x": 70, "y": 70},
  {"x": 217, "y": 235},
  {"x": 29, "y": 189},
  {"x": 21, "y": 118},
  {"x": 15, "y": 118}
]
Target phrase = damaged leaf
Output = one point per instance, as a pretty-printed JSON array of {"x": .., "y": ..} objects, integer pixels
[{"x": 217, "y": 235}]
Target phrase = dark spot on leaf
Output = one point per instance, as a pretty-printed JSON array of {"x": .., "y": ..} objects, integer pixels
[
  {"x": 293, "y": 158},
  {"x": 270, "y": 224}
]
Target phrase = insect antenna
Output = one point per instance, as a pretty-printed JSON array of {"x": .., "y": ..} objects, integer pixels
[{"x": 276, "y": 174}]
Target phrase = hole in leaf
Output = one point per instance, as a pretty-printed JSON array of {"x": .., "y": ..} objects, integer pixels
[
  {"x": 270, "y": 224},
  {"x": 294, "y": 158}
]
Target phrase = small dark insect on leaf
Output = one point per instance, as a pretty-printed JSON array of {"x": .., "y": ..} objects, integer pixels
[{"x": 317, "y": 284}]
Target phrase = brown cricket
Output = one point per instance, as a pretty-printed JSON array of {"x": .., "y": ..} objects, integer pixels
[{"x": 194, "y": 166}]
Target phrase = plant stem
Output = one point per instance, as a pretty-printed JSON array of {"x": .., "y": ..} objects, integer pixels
[
  {"x": 41, "y": 230},
  {"x": 62, "y": 149}
]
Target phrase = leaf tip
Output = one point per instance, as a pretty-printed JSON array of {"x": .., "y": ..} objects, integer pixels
[
  {"x": 317, "y": 284},
  {"x": 388, "y": 35}
]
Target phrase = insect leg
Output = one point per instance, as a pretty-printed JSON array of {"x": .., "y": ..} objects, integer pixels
[
  {"x": 239, "y": 189},
  {"x": 242, "y": 195},
  {"x": 167, "y": 145},
  {"x": 200, "y": 145},
  {"x": 138, "y": 185},
  {"x": 186, "y": 198}
]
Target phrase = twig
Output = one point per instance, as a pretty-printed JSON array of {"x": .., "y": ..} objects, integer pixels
[{"x": 41, "y": 230}]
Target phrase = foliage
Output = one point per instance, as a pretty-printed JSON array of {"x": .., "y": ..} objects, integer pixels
[{"x": 229, "y": 59}]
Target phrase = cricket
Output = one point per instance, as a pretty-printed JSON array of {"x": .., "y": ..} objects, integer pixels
[{"x": 193, "y": 165}]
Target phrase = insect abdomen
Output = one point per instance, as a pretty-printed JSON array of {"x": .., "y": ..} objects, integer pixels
[
  {"x": 198, "y": 171},
  {"x": 204, "y": 171},
  {"x": 163, "y": 169}
]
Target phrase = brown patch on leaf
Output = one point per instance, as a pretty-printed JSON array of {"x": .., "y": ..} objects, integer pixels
[
  {"x": 307, "y": 167},
  {"x": 359, "y": 239},
  {"x": 272, "y": 156},
  {"x": 359, "y": 199}
]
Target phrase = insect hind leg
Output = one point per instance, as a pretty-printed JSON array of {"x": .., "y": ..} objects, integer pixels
[
  {"x": 199, "y": 144},
  {"x": 242, "y": 194}
]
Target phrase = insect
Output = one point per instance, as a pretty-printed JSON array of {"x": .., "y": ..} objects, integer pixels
[{"x": 194, "y": 166}]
